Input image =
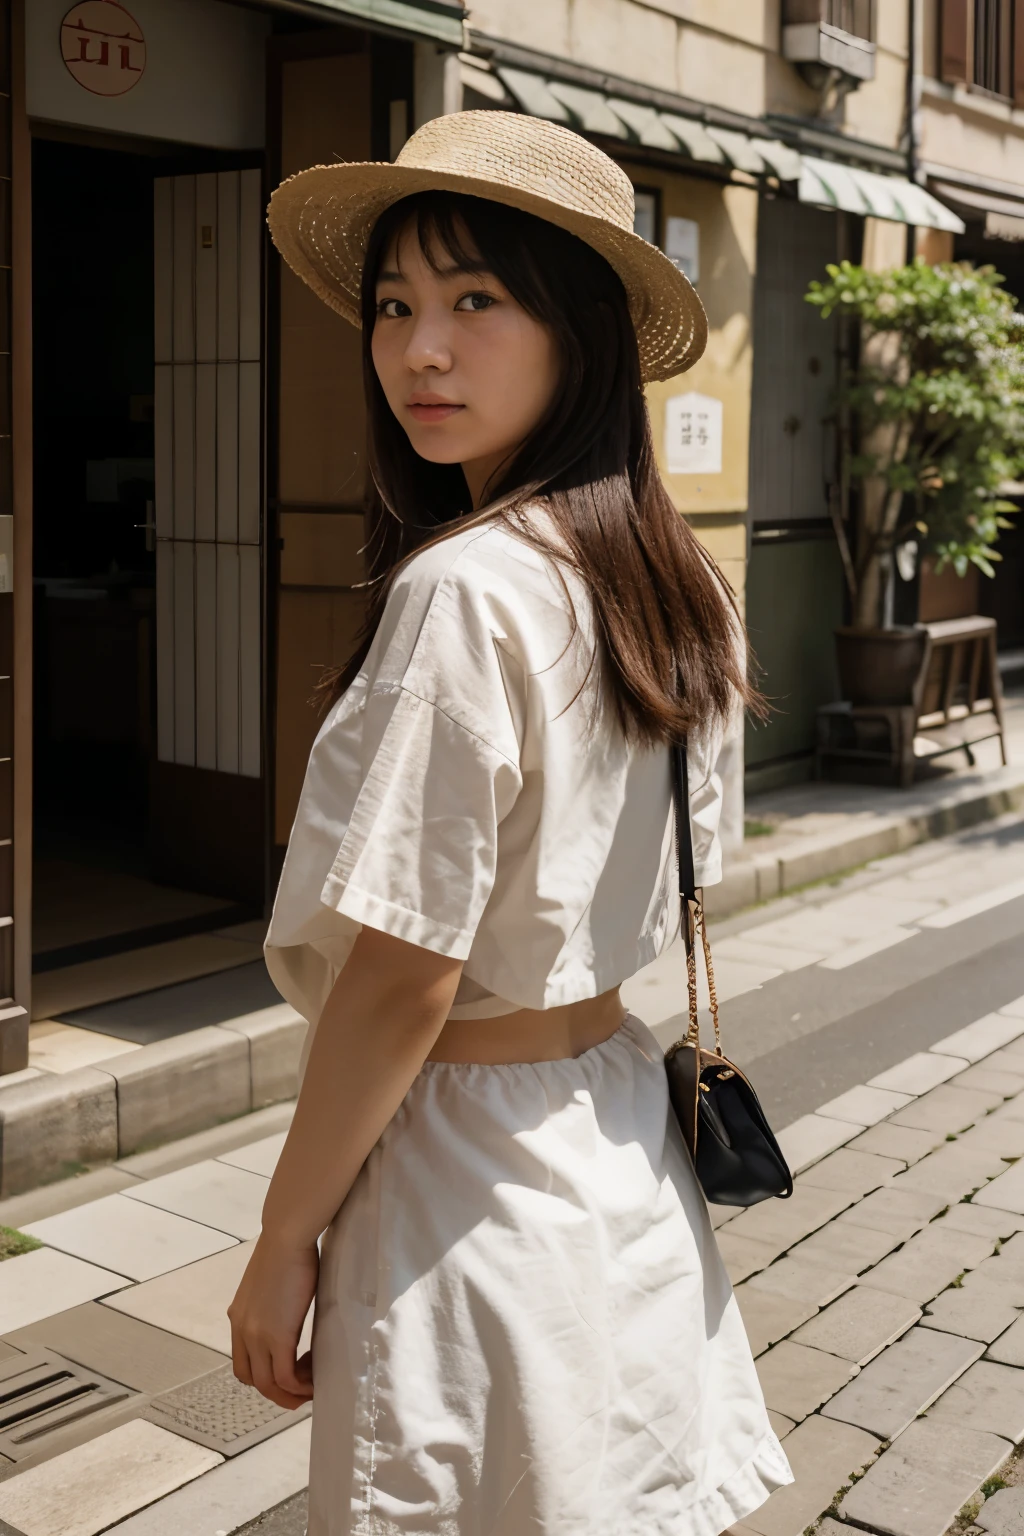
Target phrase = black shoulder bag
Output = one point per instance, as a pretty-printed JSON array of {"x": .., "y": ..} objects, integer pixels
[{"x": 736, "y": 1157}]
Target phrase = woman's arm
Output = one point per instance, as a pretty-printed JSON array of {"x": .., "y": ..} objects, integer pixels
[{"x": 383, "y": 1016}]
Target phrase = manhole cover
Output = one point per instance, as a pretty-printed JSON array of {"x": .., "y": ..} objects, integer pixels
[
  {"x": 41, "y": 1393},
  {"x": 218, "y": 1411}
]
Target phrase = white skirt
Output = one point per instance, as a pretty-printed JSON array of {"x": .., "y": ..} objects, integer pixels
[{"x": 523, "y": 1324}]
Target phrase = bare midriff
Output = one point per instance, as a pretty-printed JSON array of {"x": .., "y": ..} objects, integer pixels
[{"x": 531, "y": 1034}]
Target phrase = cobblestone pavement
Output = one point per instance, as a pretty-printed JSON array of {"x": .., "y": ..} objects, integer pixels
[{"x": 884, "y": 1302}]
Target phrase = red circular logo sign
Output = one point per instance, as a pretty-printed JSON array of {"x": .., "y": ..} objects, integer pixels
[{"x": 103, "y": 47}]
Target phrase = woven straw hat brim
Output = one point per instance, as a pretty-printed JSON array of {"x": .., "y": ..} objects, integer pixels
[{"x": 321, "y": 220}]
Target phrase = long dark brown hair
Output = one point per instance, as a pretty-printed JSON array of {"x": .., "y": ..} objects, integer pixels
[{"x": 665, "y": 619}]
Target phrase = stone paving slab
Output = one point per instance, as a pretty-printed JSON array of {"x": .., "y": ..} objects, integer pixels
[
  {"x": 980, "y": 1220},
  {"x": 1006, "y": 1192},
  {"x": 1007, "y": 1280},
  {"x": 928, "y": 1262},
  {"x": 982, "y": 1037},
  {"x": 864, "y": 1105},
  {"x": 1003, "y": 1513},
  {"x": 743, "y": 1257},
  {"x": 920, "y": 1073},
  {"x": 898, "y": 1211},
  {"x": 801, "y": 1280},
  {"x": 989, "y": 1396},
  {"x": 855, "y": 1173},
  {"x": 888, "y": 1140},
  {"x": 190, "y": 1302},
  {"x": 822, "y": 1454},
  {"x": 950, "y": 1173},
  {"x": 982, "y": 1313},
  {"x": 148, "y": 1359},
  {"x": 990, "y": 1079},
  {"x": 89, "y": 1488},
  {"x": 796, "y": 1380},
  {"x": 1008, "y": 1348},
  {"x": 227, "y": 1198},
  {"x": 851, "y": 1247},
  {"x": 129, "y": 1237},
  {"x": 925, "y": 1477},
  {"x": 781, "y": 1223},
  {"x": 232, "y": 1494},
  {"x": 947, "y": 1110},
  {"x": 859, "y": 1325},
  {"x": 780, "y": 1424},
  {"x": 996, "y": 1133},
  {"x": 901, "y": 1382},
  {"x": 769, "y": 1317},
  {"x": 258, "y": 1157},
  {"x": 812, "y": 1137},
  {"x": 44, "y": 1281}
]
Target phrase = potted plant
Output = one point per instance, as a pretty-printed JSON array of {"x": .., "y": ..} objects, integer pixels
[{"x": 936, "y": 407}]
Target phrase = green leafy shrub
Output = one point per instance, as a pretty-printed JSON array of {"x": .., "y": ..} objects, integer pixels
[{"x": 938, "y": 401}]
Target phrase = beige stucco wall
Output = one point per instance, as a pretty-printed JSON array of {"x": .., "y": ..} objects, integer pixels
[
  {"x": 725, "y": 52},
  {"x": 727, "y": 216},
  {"x": 965, "y": 131}
]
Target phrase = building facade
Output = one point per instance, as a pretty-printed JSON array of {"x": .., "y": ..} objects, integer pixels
[{"x": 184, "y": 476}]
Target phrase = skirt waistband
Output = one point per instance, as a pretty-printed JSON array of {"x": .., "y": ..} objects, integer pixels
[{"x": 631, "y": 1034}]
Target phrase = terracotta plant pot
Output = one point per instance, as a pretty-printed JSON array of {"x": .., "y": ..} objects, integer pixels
[{"x": 880, "y": 666}]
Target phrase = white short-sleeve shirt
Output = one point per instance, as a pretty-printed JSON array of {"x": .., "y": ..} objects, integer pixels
[{"x": 473, "y": 793}]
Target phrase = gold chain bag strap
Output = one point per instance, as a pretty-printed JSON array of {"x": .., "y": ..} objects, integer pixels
[{"x": 736, "y": 1157}]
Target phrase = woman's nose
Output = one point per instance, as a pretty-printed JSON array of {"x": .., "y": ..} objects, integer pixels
[{"x": 429, "y": 346}]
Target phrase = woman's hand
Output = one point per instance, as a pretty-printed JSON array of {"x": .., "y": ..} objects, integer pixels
[{"x": 267, "y": 1315}]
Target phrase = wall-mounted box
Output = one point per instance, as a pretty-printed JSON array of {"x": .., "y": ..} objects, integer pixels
[{"x": 817, "y": 43}]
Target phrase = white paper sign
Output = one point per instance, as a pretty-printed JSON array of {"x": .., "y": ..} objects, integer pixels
[{"x": 693, "y": 435}]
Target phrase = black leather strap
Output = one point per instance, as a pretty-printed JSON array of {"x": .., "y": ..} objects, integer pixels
[{"x": 684, "y": 835}]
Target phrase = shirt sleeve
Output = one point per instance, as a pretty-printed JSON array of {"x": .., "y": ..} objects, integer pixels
[{"x": 418, "y": 857}]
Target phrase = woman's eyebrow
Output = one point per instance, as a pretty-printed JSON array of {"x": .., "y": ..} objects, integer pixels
[{"x": 457, "y": 269}]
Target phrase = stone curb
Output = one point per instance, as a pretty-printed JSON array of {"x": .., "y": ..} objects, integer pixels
[
  {"x": 805, "y": 860},
  {"x": 52, "y": 1124}
]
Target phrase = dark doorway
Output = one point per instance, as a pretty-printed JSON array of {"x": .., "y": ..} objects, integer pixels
[{"x": 94, "y": 562}]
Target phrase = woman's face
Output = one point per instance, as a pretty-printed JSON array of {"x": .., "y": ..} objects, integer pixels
[{"x": 465, "y": 369}]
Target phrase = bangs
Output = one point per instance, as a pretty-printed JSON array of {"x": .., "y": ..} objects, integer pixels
[{"x": 442, "y": 226}]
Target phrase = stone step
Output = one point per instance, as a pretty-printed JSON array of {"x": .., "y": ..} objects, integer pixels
[{"x": 155, "y": 1094}]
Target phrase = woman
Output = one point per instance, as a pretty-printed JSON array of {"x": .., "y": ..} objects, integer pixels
[{"x": 522, "y": 1321}]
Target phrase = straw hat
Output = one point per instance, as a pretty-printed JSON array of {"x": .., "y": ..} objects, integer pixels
[{"x": 321, "y": 219}]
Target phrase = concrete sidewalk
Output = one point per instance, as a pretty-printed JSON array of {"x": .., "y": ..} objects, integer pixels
[{"x": 821, "y": 830}]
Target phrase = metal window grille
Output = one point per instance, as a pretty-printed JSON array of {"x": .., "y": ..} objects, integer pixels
[{"x": 992, "y": 54}]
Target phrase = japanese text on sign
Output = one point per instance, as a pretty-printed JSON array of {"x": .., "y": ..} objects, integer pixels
[
  {"x": 693, "y": 435},
  {"x": 103, "y": 47}
]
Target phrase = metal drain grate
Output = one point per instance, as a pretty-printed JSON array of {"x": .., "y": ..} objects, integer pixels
[
  {"x": 42, "y": 1393},
  {"x": 218, "y": 1411}
]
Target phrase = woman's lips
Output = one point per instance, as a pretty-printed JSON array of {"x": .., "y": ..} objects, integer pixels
[{"x": 433, "y": 412}]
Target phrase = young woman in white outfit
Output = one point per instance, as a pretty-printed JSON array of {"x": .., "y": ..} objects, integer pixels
[{"x": 522, "y": 1322}]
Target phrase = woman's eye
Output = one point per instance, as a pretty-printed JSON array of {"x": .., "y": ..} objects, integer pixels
[
  {"x": 471, "y": 302},
  {"x": 393, "y": 309}
]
